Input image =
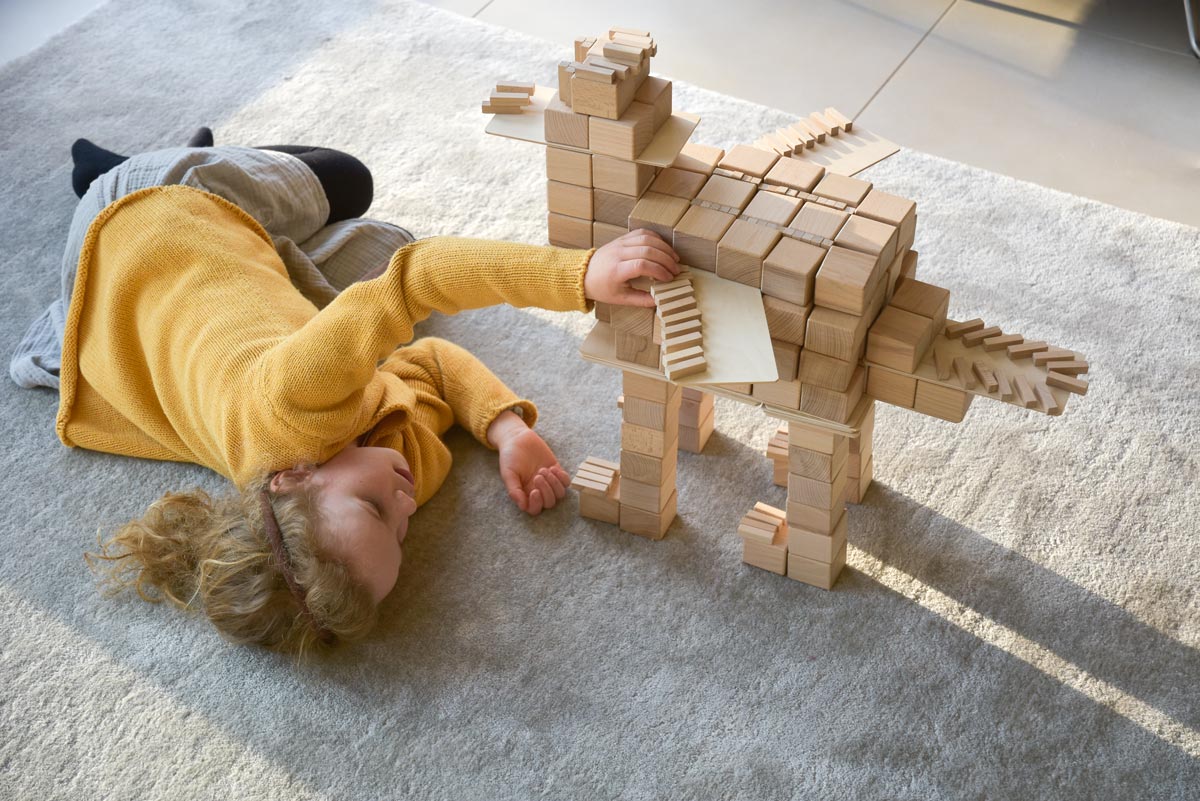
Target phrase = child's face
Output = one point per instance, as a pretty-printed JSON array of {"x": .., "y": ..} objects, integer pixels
[{"x": 365, "y": 497}]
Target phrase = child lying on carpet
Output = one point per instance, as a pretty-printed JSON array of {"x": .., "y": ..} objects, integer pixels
[{"x": 212, "y": 313}]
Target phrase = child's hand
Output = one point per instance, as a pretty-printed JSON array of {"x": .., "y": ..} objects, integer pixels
[
  {"x": 635, "y": 254},
  {"x": 534, "y": 478}
]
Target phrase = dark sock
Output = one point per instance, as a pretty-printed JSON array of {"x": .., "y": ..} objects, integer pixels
[
  {"x": 346, "y": 180},
  {"x": 92, "y": 161}
]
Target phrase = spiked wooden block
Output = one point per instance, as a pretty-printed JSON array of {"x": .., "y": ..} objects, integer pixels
[
  {"x": 658, "y": 212},
  {"x": 569, "y": 232},
  {"x": 850, "y": 191},
  {"x": 846, "y": 281},
  {"x": 773, "y": 208},
  {"x": 741, "y": 252},
  {"x": 748, "y": 160},
  {"x": 563, "y": 126},
  {"x": 795, "y": 174},
  {"x": 899, "y": 339},
  {"x": 698, "y": 158},
  {"x": 820, "y": 221},
  {"x": 697, "y": 234},
  {"x": 619, "y": 175},
  {"x": 720, "y": 190},
  {"x": 624, "y": 138}
]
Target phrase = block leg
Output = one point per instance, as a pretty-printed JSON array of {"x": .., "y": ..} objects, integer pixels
[
  {"x": 695, "y": 419},
  {"x": 816, "y": 507},
  {"x": 777, "y": 455},
  {"x": 649, "y": 449},
  {"x": 861, "y": 462}
]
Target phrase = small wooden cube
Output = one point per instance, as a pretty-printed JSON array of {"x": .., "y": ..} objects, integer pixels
[
  {"x": 846, "y": 281},
  {"x": 649, "y": 524},
  {"x": 899, "y": 339},
  {"x": 694, "y": 438},
  {"x": 698, "y": 158},
  {"x": 563, "y": 126},
  {"x": 773, "y": 208},
  {"x": 568, "y": 166},
  {"x": 815, "y": 545},
  {"x": 924, "y": 299},
  {"x": 787, "y": 359},
  {"x": 749, "y": 160},
  {"x": 813, "y": 492},
  {"x": 677, "y": 182},
  {"x": 658, "y": 212},
  {"x": 741, "y": 251},
  {"x": 620, "y": 175},
  {"x": 869, "y": 236},
  {"x": 654, "y": 389},
  {"x": 942, "y": 402},
  {"x": 817, "y": 574},
  {"x": 893, "y": 388},
  {"x": 697, "y": 234},
  {"x": 722, "y": 190},
  {"x": 637, "y": 349},
  {"x": 662, "y": 416},
  {"x": 784, "y": 394},
  {"x": 837, "y": 334},
  {"x": 648, "y": 469},
  {"x": 815, "y": 518},
  {"x": 850, "y": 191},
  {"x": 786, "y": 322},
  {"x": 648, "y": 496},
  {"x": 812, "y": 438},
  {"x": 815, "y": 464},
  {"x": 569, "y": 232},
  {"x": 648, "y": 441},
  {"x": 636, "y": 320},
  {"x": 623, "y": 138},
  {"x": 603, "y": 233},
  {"x": 795, "y": 174},
  {"x": 825, "y": 371},
  {"x": 818, "y": 220},
  {"x": 831, "y": 405},
  {"x": 656, "y": 93},
  {"x": 893, "y": 210},
  {"x": 790, "y": 269},
  {"x": 613, "y": 208},
  {"x": 569, "y": 199}
]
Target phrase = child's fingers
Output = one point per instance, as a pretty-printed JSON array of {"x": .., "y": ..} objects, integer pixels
[
  {"x": 560, "y": 491},
  {"x": 512, "y": 483},
  {"x": 644, "y": 236},
  {"x": 651, "y": 254},
  {"x": 628, "y": 296},
  {"x": 548, "y": 496},
  {"x": 535, "y": 502},
  {"x": 635, "y": 268},
  {"x": 563, "y": 475}
]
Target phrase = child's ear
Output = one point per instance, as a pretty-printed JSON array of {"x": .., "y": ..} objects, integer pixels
[{"x": 290, "y": 480}]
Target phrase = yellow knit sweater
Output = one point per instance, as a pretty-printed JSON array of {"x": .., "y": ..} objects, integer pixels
[{"x": 186, "y": 341}]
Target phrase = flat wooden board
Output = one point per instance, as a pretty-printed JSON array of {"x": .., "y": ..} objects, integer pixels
[
  {"x": 529, "y": 127},
  {"x": 737, "y": 344},
  {"x": 847, "y": 153}
]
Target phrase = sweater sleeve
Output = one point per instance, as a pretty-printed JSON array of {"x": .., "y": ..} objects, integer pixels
[{"x": 314, "y": 379}]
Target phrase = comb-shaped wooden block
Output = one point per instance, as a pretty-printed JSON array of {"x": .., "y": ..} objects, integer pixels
[
  {"x": 598, "y": 483},
  {"x": 761, "y": 548}
]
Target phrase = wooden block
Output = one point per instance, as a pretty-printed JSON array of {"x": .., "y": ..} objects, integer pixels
[
  {"x": 603, "y": 233},
  {"x": 963, "y": 373},
  {"x": 1067, "y": 382},
  {"x": 831, "y": 405},
  {"x": 1002, "y": 342},
  {"x": 626, "y": 137},
  {"x": 956, "y": 330},
  {"x": 1025, "y": 350},
  {"x": 685, "y": 327},
  {"x": 813, "y": 438},
  {"x": 924, "y": 299},
  {"x": 810, "y": 130},
  {"x": 679, "y": 183},
  {"x": 656, "y": 93},
  {"x": 784, "y": 394},
  {"x": 846, "y": 280},
  {"x": 825, "y": 371},
  {"x": 600, "y": 507},
  {"x": 1046, "y": 399},
  {"x": 563, "y": 126},
  {"x": 524, "y": 87},
  {"x": 787, "y": 359},
  {"x": 841, "y": 119},
  {"x": 767, "y": 556},
  {"x": 786, "y": 321},
  {"x": 697, "y": 234},
  {"x": 830, "y": 127},
  {"x": 815, "y": 545},
  {"x": 814, "y": 518},
  {"x": 909, "y": 267},
  {"x": 648, "y": 524},
  {"x": 795, "y": 174},
  {"x": 569, "y": 199},
  {"x": 773, "y": 208},
  {"x": 603, "y": 465},
  {"x": 893, "y": 210},
  {"x": 508, "y": 99},
  {"x": 569, "y": 232},
  {"x": 620, "y": 175},
  {"x": 741, "y": 252},
  {"x": 871, "y": 237},
  {"x": 818, "y": 220},
  {"x": 748, "y": 160},
  {"x": 683, "y": 341},
  {"x": 658, "y": 390},
  {"x": 632, "y": 320},
  {"x": 624, "y": 54},
  {"x": 724, "y": 191},
  {"x": 651, "y": 414},
  {"x": 942, "y": 402},
  {"x": 648, "y": 469},
  {"x": 818, "y": 574},
  {"x": 676, "y": 358},
  {"x": 899, "y": 339},
  {"x": 489, "y": 107},
  {"x": 647, "y": 497},
  {"x": 942, "y": 364},
  {"x": 693, "y": 439},
  {"x": 620, "y": 71},
  {"x": 893, "y": 388},
  {"x": 672, "y": 308},
  {"x": 983, "y": 371},
  {"x": 817, "y": 465},
  {"x": 584, "y": 482},
  {"x": 698, "y": 158},
  {"x": 648, "y": 441},
  {"x": 659, "y": 213},
  {"x": 613, "y": 208},
  {"x": 679, "y": 317},
  {"x": 603, "y": 310},
  {"x": 1044, "y": 357},
  {"x": 682, "y": 368},
  {"x": 850, "y": 191},
  {"x": 606, "y": 100},
  {"x": 569, "y": 166},
  {"x": 837, "y": 334},
  {"x": 790, "y": 270},
  {"x": 1072, "y": 367},
  {"x": 637, "y": 349},
  {"x": 565, "y": 71},
  {"x": 974, "y": 338}
]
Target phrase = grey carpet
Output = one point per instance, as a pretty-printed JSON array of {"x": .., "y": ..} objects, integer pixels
[{"x": 1019, "y": 615}]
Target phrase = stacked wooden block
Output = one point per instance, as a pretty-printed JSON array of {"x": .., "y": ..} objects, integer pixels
[
  {"x": 696, "y": 417},
  {"x": 509, "y": 97},
  {"x": 599, "y": 486},
  {"x": 816, "y": 504},
  {"x": 607, "y": 110},
  {"x": 649, "y": 454}
]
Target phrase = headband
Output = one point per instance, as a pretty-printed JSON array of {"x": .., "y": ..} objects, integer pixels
[{"x": 275, "y": 537}]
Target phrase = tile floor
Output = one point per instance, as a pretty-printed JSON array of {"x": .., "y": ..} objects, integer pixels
[{"x": 1099, "y": 98}]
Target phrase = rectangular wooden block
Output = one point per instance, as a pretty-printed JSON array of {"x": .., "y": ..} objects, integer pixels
[
  {"x": 831, "y": 405},
  {"x": 786, "y": 322},
  {"x": 818, "y": 574},
  {"x": 613, "y": 208},
  {"x": 568, "y": 166},
  {"x": 741, "y": 251},
  {"x": 825, "y": 371},
  {"x": 813, "y": 464},
  {"x": 817, "y": 493},
  {"x": 893, "y": 388},
  {"x": 648, "y": 441},
  {"x": 696, "y": 236},
  {"x": 813, "y": 438},
  {"x": 637, "y": 349},
  {"x": 648, "y": 469},
  {"x": 603, "y": 233},
  {"x": 658, "y": 390},
  {"x": 620, "y": 175},
  {"x": 569, "y": 199},
  {"x": 656, "y": 93},
  {"x": 846, "y": 281},
  {"x": 924, "y": 299},
  {"x": 648, "y": 524},
  {"x": 814, "y": 518},
  {"x": 899, "y": 339},
  {"x": 624, "y": 138},
  {"x": 659, "y": 213},
  {"x": 787, "y": 359},
  {"x": 652, "y": 414},
  {"x": 648, "y": 496},
  {"x": 698, "y": 158},
  {"x": 942, "y": 402},
  {"x": 563, "y": 126},
  {"x": 815, "y": 545},
  {"x": 694, "y": 438},
  {"x": 790, "y": 270},
  {"x": 568, "y": 232},
  {"x": 785, "y": 394}
]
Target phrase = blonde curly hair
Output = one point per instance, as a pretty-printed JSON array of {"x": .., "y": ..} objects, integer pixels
[{"x": 200, "y": 551}]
